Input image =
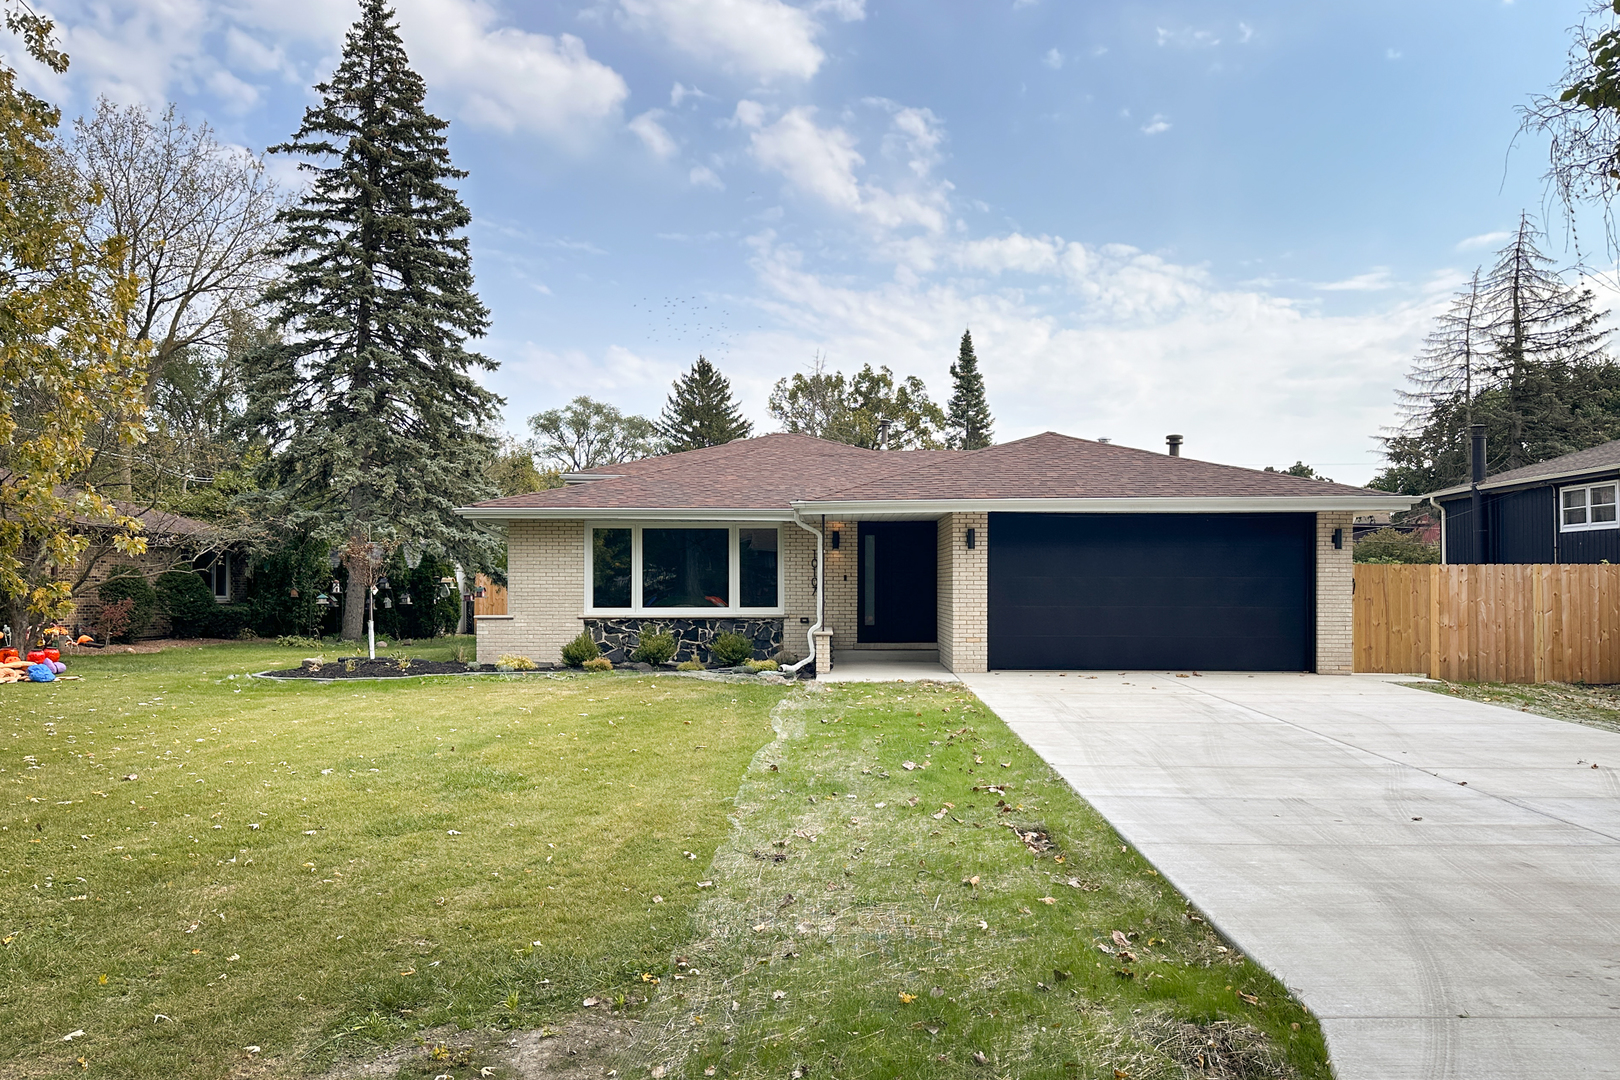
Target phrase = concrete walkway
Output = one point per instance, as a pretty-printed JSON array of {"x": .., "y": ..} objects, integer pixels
[{"x": 1438, "y": 880}]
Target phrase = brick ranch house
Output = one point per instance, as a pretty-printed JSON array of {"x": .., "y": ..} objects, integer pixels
[{"x": 1049, "y": 552}]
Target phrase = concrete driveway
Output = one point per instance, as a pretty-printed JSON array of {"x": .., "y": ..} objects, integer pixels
[{"x": 1438, "y": 880}]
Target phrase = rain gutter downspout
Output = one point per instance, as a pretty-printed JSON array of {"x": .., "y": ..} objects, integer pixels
[{"x": 821, "y": 601}]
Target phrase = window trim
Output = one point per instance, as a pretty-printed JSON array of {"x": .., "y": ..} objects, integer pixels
[
  {"x": 733, "y": 577},
  {"x": 217, "y": 567},
  {"x": 1588, "y": 525}
]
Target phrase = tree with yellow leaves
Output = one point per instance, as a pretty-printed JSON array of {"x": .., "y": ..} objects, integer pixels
[{"x": 67, "y": 366}]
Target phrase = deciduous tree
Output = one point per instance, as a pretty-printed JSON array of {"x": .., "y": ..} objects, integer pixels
[{"x": 586, "y": 433}]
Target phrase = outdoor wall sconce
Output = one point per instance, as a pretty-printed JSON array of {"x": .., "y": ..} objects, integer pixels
[
  {"x": 971, "y": 537},
  {"x": 1338, "y": 538},
  {"x": 835, "y": 535}
]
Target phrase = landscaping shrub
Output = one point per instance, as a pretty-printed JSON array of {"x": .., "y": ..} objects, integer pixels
[
  {"x": 113, "y": 619},
  {"x": 690, "y": 665},
  {"x": 581, "y": 649},
  {"x": 297, "y": 641},
  {"x": 656, "y": 646},
  {"x": 516, "y": 662},
  {"x": 1391, "y": 546},
  {"x": 188, "y": 602},
  {"x": 762, "y": 665},
  {"x": 143, "y": 603},
  {"x": 601, "y": 663},
  {"x": 731, "y": 649}
]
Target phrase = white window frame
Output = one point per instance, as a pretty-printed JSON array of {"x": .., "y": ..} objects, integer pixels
[
  {"x": 218, "y": 568},
  {"x": 733, "y": 579},
  {"x": 1586, "y": 507}
]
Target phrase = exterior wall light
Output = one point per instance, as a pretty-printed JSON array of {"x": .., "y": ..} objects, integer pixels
[
  {"x": 1338, "y": 538},
  {"x": 971, "y": 538},
  {"x": 835, "y": 536}
]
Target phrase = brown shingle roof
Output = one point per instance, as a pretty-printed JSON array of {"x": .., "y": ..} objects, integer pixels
[
  {"x": 1593, "y": 459},
  {"x": 773, "y": 472}
]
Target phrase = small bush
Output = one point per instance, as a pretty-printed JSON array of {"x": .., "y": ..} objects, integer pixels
[
  {"x": 656, "y": 646},
  {"x": 515, "y": 662},
  {"x": 762, "y": 665},
  {"x": 601, "y": 663},
  {"x": 731, "y": 649},
  {"x": 294, "y": 641},
  {"x": 135, "y": 588},
  {"x": 690, "y": 665},
  {"x": 113, "y": 619},
  {"x": 1391, "y": 546},
  {"x": 581, "y": 649}
]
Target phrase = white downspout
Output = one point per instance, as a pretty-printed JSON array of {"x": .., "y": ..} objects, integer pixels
[{"x": 821, "y": 595}]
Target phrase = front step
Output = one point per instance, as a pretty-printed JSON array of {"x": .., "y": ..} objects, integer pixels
[{"x": 886, "y": 654}]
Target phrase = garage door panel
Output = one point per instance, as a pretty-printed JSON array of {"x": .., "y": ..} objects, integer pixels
[{"x": 1211, "y": 591}]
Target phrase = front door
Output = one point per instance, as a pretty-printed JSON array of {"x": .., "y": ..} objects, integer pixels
[{"x": 898, "y": 581}]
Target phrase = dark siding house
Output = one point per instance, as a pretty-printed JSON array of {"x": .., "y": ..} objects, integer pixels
[{"x": 1558, "y": 511}]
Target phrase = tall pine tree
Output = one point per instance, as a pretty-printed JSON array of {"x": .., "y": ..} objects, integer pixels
[
  {"x": 967, "y": 414},
  {"x": 373, "y": 418},
  {"x": 701, "y": 411}
]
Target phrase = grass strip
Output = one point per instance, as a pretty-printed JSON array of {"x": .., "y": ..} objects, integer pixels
[
  {"x": 1594, "y": 706},
  {"x": 910, "y": 891}
]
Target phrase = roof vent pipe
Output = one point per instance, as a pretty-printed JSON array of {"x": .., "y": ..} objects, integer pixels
[
  {"x": 1174, "y": 442},
  {"x": 883, "y": 433}
]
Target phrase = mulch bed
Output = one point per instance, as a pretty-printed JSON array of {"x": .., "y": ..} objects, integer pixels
[{"x": 379, "y": 669}]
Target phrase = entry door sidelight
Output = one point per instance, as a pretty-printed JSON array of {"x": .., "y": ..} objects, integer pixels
[{"x": 897, "y": 595}]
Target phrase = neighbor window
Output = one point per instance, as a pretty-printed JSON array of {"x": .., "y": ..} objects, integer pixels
[
  {"x": 1589, "y": 507},
  {"x": 216, "y": 570},
  {"x": 697, "y": 569}
]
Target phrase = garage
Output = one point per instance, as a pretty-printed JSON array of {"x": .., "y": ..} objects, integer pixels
[{"x": 1215, "y": 592}]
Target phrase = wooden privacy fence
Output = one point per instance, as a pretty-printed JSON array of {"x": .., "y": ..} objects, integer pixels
[
  {"x": 488, "y": 597},
  {"x": 1489, "y": 623}
]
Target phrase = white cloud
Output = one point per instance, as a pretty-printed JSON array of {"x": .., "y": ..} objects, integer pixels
[
  {"x": 748, "y": 114},
  {"x": 1129, "y": 345},
  {"x": 1157, "y": 126},
  {"x": 821, "y": 163},
  {"x": 1245, "y": 32},
  {"x": 1186, "y": 37},
  {"x": 1392, "y": 54},
  {"x": 1053, "y": 59},
  {"x": 1374, "y": 280},
  {"x": 491, "y": 74},
  {"x": 703, "y": 176},
  {"x": 847, "y": 10},
  {"x": 1482, "y": 240},
  {"x": 679, "y": 93},
  {"x": 505, "y": 78},
  {"x": 647, "y": 128},
  {"x": 762, "y": 39}
]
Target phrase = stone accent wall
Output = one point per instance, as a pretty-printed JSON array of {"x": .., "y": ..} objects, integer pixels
[
  {"x": 1335, "y": 584},
  {"x": 964, "y": 593},
  {"x": 618, "y": 638},
  {"x": 545, "y": 573}
]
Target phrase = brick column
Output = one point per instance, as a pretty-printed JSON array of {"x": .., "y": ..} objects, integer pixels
[
  {"x": 1335, "y": 580},
  {"x": 964, "y": 592}
]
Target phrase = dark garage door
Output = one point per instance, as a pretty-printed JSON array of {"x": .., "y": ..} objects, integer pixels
[{"x": 1221, "y": 592}]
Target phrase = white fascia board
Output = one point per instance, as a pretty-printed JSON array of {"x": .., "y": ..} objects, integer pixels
[
  {"x": 618, "y": 513},
  {"x": 1161, "y": 505}
]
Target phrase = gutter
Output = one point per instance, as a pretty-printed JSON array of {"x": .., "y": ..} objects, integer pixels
[
  {"x": 821, "y": 595},
  {"x": 1247, "y": 504},
  {"x": 1500, "y": 484}
]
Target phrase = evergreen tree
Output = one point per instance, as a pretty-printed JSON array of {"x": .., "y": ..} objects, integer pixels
[
  {"x": 376, "y": 426},
  {"x": 967, "y": 413},
  {"x": 701, "y": 412},
  {"x": 1519, "y": 351}
]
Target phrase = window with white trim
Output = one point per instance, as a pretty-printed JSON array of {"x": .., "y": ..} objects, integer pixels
[
  {"x": 684, "y": 570},
  {"x": 1592, "y": 506}
]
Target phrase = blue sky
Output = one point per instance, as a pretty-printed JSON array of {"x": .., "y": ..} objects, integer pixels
[{"x": 1228, "y": 220}]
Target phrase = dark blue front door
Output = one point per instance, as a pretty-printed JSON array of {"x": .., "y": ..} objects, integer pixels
[{"x": 897, "y": 582}]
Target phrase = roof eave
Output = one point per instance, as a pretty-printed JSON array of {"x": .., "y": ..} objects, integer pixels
[
  {"x": 1527, "y": 481},
  {"x": 622, "y": 513},
  {"x": 1170, "y": 504}
]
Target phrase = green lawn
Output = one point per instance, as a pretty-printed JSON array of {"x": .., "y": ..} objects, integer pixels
[
  {"x": 1594, "y": 706},
  {"x": 324, "y": 872},
  {"x": 302, "y": 865}
]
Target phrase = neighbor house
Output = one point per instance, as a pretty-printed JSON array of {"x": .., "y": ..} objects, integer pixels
[
  {"x": 1049, "y": 552},
  {"x": 1562, "y": 510}
]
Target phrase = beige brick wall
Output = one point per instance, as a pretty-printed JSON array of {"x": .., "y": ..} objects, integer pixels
[
  {"x": 798, "y": 588},
  {"x": 842, "y": 583},
  {"x": 545, "y": 595},
  {"x": 964, "y": 583},
  {"x": 1334, "y": 585}
]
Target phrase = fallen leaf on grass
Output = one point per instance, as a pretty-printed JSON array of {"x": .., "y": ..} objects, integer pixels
[
  {"x": 412, "y": 971},
  {"x": 971, "y": 881},
  {"x": 979, "y": 1058},
  {"x": 1048, "y": 900},
  {"x": 589, "y": 1002},
  {"x": 70, "y": 1036},
  {"x": 1250, "y": 998},
  {"x": 1120, "y": 939},
  {"x": 778, "y": 995},
  {"x": 908, "y": 765},
  {"x": 907, "y": 999}
]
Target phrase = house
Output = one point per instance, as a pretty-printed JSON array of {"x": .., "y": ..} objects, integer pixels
[
  {"x": 1048, "y": 552},
  {"x": 1562, "y": 510}
]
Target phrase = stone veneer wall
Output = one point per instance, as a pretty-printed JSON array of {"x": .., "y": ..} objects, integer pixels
[
  {"x": 618, "y": 638},
  {"x": 964, "y": 593},
  {"x": 545, "y": 573},
  {"x": 1335, "y": 586}
]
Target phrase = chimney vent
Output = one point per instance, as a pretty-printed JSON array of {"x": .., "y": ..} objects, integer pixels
[
  {"x": 1174, "y": 442},
  {"x": 883, "y": 433}
]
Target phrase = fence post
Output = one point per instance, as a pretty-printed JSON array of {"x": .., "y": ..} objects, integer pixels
[{"x": 1434, "y": 621}]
